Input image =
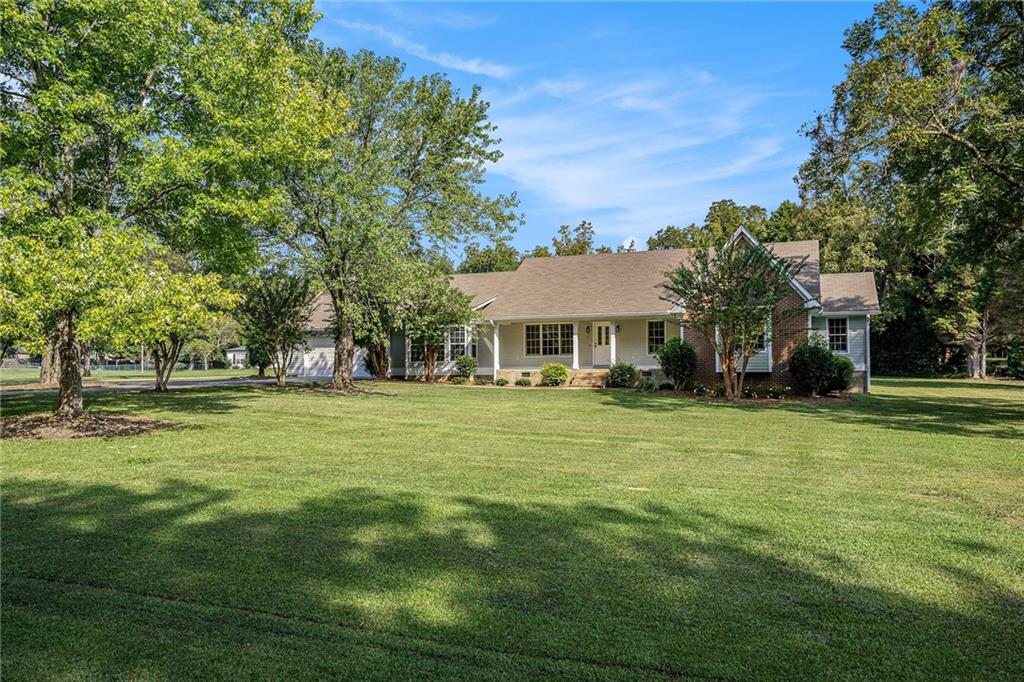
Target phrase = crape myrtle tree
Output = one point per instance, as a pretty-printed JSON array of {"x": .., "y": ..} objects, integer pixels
[
  {"x": 732, "y": 296},
  {"x": 438, "y": 307},
  {"x": 274, "y": 316},
  {"x": 405, "y": 172},
  {"x": 126, "y": 116}
]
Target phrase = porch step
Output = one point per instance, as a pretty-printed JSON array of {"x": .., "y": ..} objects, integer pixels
[{"x": 593, "y": 378}]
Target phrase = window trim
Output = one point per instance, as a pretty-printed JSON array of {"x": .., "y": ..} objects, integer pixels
[
  {"x": 768, "y": 329},
  {"x": 664, "y": 335},
  {"x": 846, "y": 334},
  {"x": 540, "y": 339}
]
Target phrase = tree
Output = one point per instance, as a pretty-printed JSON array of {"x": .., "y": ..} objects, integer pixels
[
  {"x": 671, "y": 237},
  {"x": 574, "y": 241},
  {"x": 539, "y": 252},
  {"x": 403, "y": 176},
  {"x": 142, "y": 117},
  {"x": 439, "y": 307},
  {"x": 274, "y": 316},
  {"x": 783, "y": 224},
  {"x": 221, "y": 332},
  {"x": 626, "y": 248},
  {"x": 257, "y": 356},
  {"x": 499, "y": 257},
  {"x": 733, "y": 295}
]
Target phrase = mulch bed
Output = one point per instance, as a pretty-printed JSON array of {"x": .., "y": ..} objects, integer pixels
[{"x": 47, "y": 427}]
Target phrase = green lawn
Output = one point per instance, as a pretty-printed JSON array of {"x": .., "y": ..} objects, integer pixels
[
  {"x": 481, "y": 533},
  {"x": 12, "y": 377}
]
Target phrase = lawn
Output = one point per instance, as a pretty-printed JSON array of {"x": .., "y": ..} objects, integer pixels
[
  {"x": 21, "y": 377},
  {"x": 484, "y": 533}
]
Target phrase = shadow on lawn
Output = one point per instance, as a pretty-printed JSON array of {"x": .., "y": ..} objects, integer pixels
[
  {"x": 369, "y": 584},
  {"x": 213, "y": 400}
]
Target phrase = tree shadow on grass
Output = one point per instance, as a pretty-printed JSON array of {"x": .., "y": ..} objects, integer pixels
[
  {"x": 211, "y": 400},
  {"x": 363, "y": 584}
]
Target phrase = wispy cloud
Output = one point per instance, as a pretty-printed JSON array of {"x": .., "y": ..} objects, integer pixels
[{"x": 445, "y": 59}]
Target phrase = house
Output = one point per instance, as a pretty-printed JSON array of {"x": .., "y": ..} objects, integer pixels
[
  {"x": 590, "y": 312},
  {"x": 237, "y": 356}
]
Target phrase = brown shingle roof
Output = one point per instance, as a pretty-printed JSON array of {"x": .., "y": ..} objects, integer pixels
[
  {"x": 849, "y": 291},
  {"x": 321, "y": 315},
  {"x": 482, "y": 286}
]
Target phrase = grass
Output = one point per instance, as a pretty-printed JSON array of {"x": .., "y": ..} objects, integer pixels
[
  {"x": 15, "y": 377},
  {"x": 485, "y": 533}
]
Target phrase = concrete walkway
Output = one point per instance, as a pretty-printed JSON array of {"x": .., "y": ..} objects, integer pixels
[{"x": 148, "y": 385}]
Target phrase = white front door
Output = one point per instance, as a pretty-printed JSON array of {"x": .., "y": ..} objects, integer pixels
[{"x": 602, "y": 343}]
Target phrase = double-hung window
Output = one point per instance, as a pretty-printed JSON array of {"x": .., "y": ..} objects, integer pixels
[
  {"x": 457, "y": 342},
  {"x": 416, "y": 350},
  {"x": 548, "y": 339},
  {"x": 655, "y": 335},
  {"x": 838, "y": 336}
]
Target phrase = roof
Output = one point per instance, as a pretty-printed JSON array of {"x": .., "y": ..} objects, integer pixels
[
  {"x": 849, "y": 292},
  {"x": 482, "y": 286},
  {"x": 321, "y": 312}
]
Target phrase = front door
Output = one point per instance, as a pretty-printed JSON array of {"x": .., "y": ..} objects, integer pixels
[{"x": 602, "y": 344}]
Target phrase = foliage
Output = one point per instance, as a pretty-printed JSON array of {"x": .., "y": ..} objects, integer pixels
[
  {"x": 720, "y": 391},
  {"x": 404, "y": 177},
  {"x": 777, "y": 392},
  {"x": 749, "y": 393},
  {"x": 700, "y": 389},
  {"x": 458, "y": 379},
  {"x": 539, "y": 252},
  {"x": 817, "y": 369},
  {"x": 842, "y": 374},
  {"x": 554, "y": 374},
  {"x": 574, "y": 241},
  {"x": 1015, "y": 358},
  {"x": 438, "y": 307},
  {"x": 523, "y": 381},
  {"x": 732, "y": 295},
  {"x": 669, "y": 237},
  {"x": 666, "y": 386},
  {"x": 501, "y": 381},
  {"x": 466, "y": 365},
  {"x": 648, "y": 385},
  {"x": 274, "y": 315},
  {"x": 678, "y": 360},
  {"x": 621, "y": 375},
  {"x": 480, "y": 380},
  {"x": 499, "y": 257}
]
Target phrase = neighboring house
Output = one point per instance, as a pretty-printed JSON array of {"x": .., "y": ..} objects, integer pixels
[
  {"x": 317, "y": 358},
  {"x": 590, "y": 312},
  {"x": 237, "y": 356}
]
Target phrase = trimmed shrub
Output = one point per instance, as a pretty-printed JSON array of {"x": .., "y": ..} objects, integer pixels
[
  {"x": 842, "y": 373},
  {"x": 524, "y": 381},
  {"x": 466, "y": 365},
  {"x": 749, "y": 392},
  {"x": 481, "y": 381},
  {"x": 666, "y": 387},
  {"x": 777, "y": 392},
  {"x": 720, "y": 391},
  {"x": 621, "y": 375},
  {"x": 648, "y": 385},
  {"x": 501, "y": 381},
  {"x": 553, "y": 374},
  {"x": 457, "y": 379},
  {"x": 811, "y": 365},
  {"x": 700, "y": 389},
  {"x": 678, "y": 360}
]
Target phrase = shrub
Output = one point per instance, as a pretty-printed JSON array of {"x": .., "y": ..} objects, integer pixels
[
  {"x": 700, "y": 389},
  {"x": 524, "y": 381},
  {"x": 501, "y": 381},
  {"x": 621, "y": 375},
  {"x": 749, "y": 392},
  {"x": 842, "y": 373},
  {"x": 678, "y": 360},
  {"x": 648, "y": 385},
  {"x": 811, "y": 365},
  {"x": 666, "y": 387},
  {"x": 777, "y": 392},
  {"x": 553, "y": 374},
  {"x": 466, "y": 365},
  {"x": 481, "y": 381},
  {"x": 1015, "y": 358},
  {"x": 457, "y": 379},
  {"x": 720, "y": 391}
]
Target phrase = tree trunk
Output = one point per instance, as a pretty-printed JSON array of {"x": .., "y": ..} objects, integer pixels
[
  {"x": 380, "y": 359},
  {"x": 191, "y": 361},
  {"x": 87, "y": 358},
  {"x": 344, "y": 352},
  {"x": 262, "y": 371},
  {"x": 206, "y": 362},
  {"x": 972, "y": 363},
  {"x": 164, "y": 360},
  {"x": 429, "y": 361},
  {"x": 49, "y": 368},
  {"x": 69, "y": 395}
]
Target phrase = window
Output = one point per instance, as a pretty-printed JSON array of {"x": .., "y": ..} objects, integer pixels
[
  {"x": 457, "y": 342},
  {"x": 549, "y": 339},
  {"x": 837, "y": 336},
  {"x": 761, "y": 344},
  {"x": 655, "y": 335},
  {"x": 416, "y": 351}
]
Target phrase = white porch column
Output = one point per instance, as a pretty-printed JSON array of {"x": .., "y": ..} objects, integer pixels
[
  {"x": 575, "y": 345},
  {"x": 611, "y": 342},
  {"x": 496, "y": 348},
  {"x": 681, "y": 325}
]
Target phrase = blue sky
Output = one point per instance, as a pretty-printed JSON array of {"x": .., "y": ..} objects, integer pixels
[{"x": 632, "y": 116}]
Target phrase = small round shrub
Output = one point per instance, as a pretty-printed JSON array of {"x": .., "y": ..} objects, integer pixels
[
  {"x": 524, "y": 381},
  {"x": 648, "y": 385},
  {"x": 700, "y": 389},
  {"x": 501, "y": 381},
  {"x": 466, "y": 365},
  {"x": 748, "y": 392},
  {"x": 678, "y": 360},
  {"x": 812, "y": 366},
  {"x": 666, "y": 386},
  {"x": 457, "y": 379},
  {"x": 622, "y": 375},
  {"x": 481, "y": 381},
  {"x": 842, "y": 374},
  {"x": 777, "y": 392},
  {"x": 553, "y": 374},
  {"x": 720, "y": 390}
]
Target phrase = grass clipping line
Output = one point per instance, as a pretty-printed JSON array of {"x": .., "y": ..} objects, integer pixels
[{"x": 90, "y": 425}]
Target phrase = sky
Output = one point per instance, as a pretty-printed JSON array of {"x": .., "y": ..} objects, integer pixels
[{"x": 631, "y": 116}]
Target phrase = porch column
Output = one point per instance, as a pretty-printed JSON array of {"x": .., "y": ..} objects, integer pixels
[
  {"x": 681, "y": 325},
  {"x": 408, "y": 355},
  {"x": 611, "y": 342},
  {"x": 496, "y": 348},
  {"x": 575, "y": 345}
]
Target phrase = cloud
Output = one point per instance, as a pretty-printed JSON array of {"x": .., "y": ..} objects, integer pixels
[{"x": 445, "y": 59}]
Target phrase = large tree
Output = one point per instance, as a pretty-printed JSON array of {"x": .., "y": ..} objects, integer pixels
[
  {"x": 733, "y": 296},
  {"x": 498, "y": 257},
  {"x": 274, "y": 316},
  {"x": 402, "y": 177},
  {"x": 144, "y": 115}
]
